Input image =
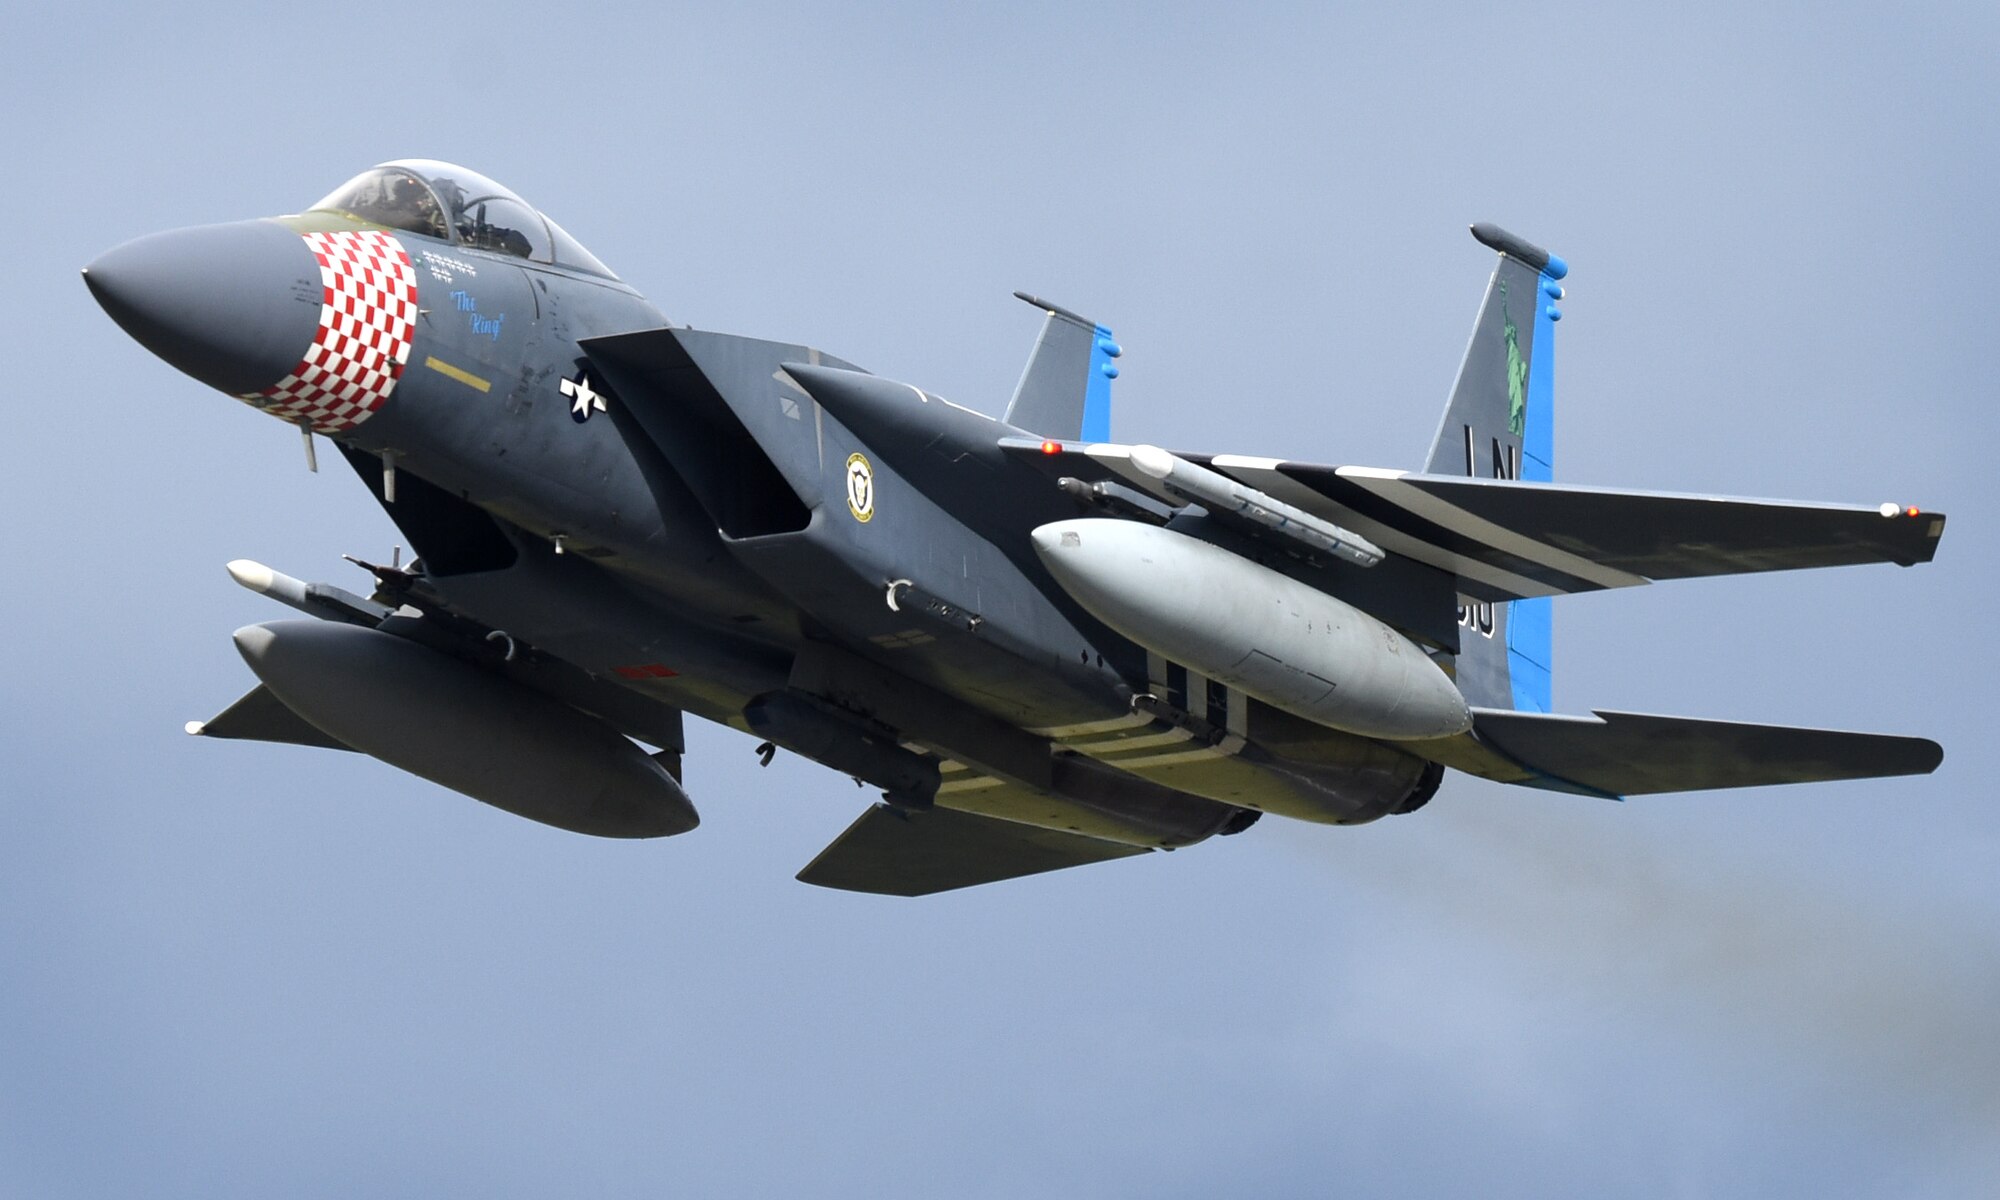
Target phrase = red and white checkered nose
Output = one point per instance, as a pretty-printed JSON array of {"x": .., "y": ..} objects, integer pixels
[
  {"x": 368, "y": 312},
  {"x": 311, "y": 327}
]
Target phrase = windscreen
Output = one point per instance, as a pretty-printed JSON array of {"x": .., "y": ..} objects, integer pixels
[
  {"x": 451, "y": 203},
  {"x": 389, "y": 196}
]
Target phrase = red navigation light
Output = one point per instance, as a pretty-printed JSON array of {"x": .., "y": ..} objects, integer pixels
[
  {"x": 1056, "y": 448},
  {"x": 1913, "y": 511}
]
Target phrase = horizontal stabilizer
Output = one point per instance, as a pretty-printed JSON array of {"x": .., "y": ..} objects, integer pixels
[
  {"x": 1634, "y": 754},
  {"x": 261, "y": 717},
  {"x": 896, "y": 852}
]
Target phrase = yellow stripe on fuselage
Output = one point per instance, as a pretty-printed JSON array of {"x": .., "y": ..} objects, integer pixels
[{"x": 463, "y": 376}]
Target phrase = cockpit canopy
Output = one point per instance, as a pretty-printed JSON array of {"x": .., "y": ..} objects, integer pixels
[{"x": 452, "y": 204}]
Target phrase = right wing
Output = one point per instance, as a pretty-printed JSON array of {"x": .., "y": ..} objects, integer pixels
[{"x": 1510, "y": 539}]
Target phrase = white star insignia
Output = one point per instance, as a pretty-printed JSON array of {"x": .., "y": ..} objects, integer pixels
[{"x": 584, "y": 400}]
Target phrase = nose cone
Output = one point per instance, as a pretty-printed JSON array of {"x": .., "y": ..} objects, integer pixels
[{"x": 236, "y": 306}]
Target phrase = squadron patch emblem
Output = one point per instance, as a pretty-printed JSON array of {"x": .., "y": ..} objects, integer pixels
[{"x": 860, "y": 488}]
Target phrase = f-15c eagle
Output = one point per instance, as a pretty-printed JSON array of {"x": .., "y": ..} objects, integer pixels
[{"x": 1044, "y": 648}]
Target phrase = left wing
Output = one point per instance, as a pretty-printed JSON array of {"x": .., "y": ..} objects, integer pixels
[{"x": 897, "y": 852}]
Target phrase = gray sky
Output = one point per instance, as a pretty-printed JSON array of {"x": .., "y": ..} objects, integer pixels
[{"x": 242, "y": 970}]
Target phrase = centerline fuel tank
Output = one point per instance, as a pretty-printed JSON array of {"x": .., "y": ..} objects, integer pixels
[{"x": 467, "y": 729}]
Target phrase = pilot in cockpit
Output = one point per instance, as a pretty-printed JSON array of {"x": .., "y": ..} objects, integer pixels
[
  {"x": 452, "y": 204},
  {"x": 407, "y": 204}
]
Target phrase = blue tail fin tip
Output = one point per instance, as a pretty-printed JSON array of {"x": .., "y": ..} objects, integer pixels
[{"x": 1097, "y": 393}]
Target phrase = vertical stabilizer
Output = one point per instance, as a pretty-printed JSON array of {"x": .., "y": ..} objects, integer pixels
[
  {"x": 1065, "y": 392},
  {"x": 1500, "y": 424}
]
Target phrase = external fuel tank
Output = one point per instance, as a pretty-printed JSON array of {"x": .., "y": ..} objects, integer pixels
[
  {"x": 467, "y": 729},
  {"x": 1290, "y": 645}
]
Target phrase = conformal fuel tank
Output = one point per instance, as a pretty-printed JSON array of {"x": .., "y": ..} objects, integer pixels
[
  {"x": 472, "y": 731},
  {"x": 1291, "y": 646}
]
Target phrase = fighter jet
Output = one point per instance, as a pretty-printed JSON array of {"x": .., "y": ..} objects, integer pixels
[{"x": 1042, "y": 647}]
